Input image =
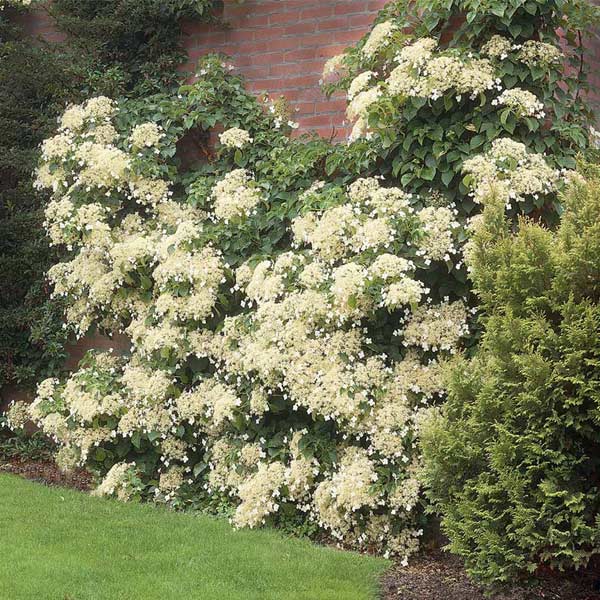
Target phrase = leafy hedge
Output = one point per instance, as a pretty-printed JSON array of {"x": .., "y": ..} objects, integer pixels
[
  {"x": 35, "y": 87},
  {"x": 513, "y": 464},
  {"x": 131, "y": 46}
]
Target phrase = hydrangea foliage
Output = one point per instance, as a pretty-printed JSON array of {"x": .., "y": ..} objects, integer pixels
[{"x": 435, "y": 83}]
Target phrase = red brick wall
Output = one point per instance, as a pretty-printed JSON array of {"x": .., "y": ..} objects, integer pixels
[
  {"x": 592, "y": 45},
  {"x": 280, "y": 46}
]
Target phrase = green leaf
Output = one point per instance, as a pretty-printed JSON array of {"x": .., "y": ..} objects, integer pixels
[
  {"x": 153, "y": 435},
  {"x": 428, "y": 173},
  {"x": 447, "y": 177},
  {"x": 199, "y": 468},
  {"x": 477, "y": 141}
]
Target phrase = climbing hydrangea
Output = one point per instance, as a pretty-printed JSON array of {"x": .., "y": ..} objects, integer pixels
[
  {"x": 223, "y": 349},
  {"x": 289, "y": 320},
  {"x": 513, "y": 173}
]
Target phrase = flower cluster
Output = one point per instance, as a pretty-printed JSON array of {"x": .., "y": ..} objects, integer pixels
[
  {"x": 235, "y": 196},
  {"x": 522, "y": 102},
  {"x": 426, "y": 75},
  {"x": 509, "y": 171},
  {"x": 235, "y": 138},
  {"x": 120, "y": 481},
  {"x": 17, "y": 415},
  {"x": 379, "y": 38},
  {"x": 498, "y": 47},
  {"x": 532, "y": 52},
  {"x": 83, "y": 155},
  {"x": 420, "y": 70},
  {"x": 417, "y": 70},
  {"x": 333, "y": 66},
  {"x": 359, "y": 83},
  {"x": 358, "y": 108},
  {"x": 146, "y": 135},
  {"x": 93, "y": 184}
]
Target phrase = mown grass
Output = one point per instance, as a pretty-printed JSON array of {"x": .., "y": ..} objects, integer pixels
[{"x": 59, "y": 544}]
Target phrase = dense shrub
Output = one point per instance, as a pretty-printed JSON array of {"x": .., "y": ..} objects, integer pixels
[{"x": 513, "y": 462}]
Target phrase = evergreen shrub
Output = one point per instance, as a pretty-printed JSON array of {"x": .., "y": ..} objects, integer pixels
[{"x": 513, "y": 460}]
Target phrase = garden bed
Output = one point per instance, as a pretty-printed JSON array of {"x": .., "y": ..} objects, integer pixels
[
  {"x": 440, "y": 576},
  {"x": 46, "y": 472}
]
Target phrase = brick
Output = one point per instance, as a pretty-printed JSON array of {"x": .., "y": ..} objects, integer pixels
[
  {"x": 300, "y": 54},
  {"x": 258, "y": 72},
  {"x": 254, "y": 21},
  {"x": 282, "y": 18},
  {"x": 363, "y": 20},
  {"x": 240, "y": 36},
  {"x": 317, "y": 121},
  {"x": 300, "y": 81},
  {"x": 234, "y": 11},
  {"x": 340, "y": 23},
  {"x": 320, "y": 39},
  {"x": 255, "y": 7},
  {"x": 348, "y": 8},
  {"x": 270, "y": 33},
  {"x": 331, "y": 106},
  {"x": 266, "y": 85},
  {"x": 264, "y": 58},
  {"x": 305, "y": 108},
  {"x": 326, "y": 52},
  {"x": 318, "y": 12},
  {"x": 289, "y": 69}
]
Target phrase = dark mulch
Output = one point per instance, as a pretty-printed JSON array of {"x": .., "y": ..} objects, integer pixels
[
  {"x": 47, "y": 472},
  {"x": 440, "y": 576}
]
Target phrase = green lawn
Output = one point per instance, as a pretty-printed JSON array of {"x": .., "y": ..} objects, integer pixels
[{"x": 60, "y": 544}]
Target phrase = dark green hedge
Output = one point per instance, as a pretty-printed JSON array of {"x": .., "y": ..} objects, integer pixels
[
  {"x": 131, "y": 46},
  {"x": 35, "y": 84}
]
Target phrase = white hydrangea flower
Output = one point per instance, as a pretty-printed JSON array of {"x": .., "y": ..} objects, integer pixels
[{"x": 235, "y": 138}]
